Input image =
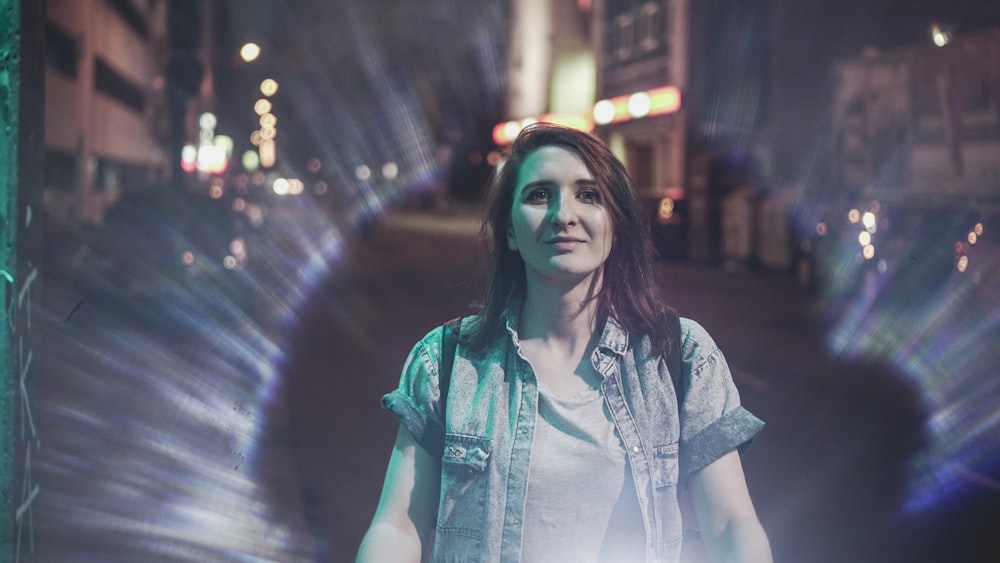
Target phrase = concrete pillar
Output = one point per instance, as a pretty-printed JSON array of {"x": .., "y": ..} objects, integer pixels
[
  {"x": 531, "y": 55},
  {"x": 22, "y": 77}
]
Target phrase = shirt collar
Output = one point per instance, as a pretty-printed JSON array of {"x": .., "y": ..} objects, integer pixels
[{"x": 614, "y": 337}]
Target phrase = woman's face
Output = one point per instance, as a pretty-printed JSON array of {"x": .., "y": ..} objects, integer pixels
[{"x": 559, "y": 223}]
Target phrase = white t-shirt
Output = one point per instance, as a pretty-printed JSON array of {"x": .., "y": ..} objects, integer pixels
[{"x": 581, "y": 503}]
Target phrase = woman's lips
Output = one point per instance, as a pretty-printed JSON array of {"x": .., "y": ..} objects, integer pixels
[{"x": 564, "y": 243}]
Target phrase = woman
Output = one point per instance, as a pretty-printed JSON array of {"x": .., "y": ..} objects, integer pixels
[{"x": 554, "y": 432}]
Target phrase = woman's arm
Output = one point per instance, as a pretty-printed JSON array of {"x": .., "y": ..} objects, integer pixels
[
  {"x": 407, "y": 510},
  {"x": 729, "y": 524}
]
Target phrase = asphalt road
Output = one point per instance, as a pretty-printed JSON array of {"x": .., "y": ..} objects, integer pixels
[{"x": 827, "y": 474}]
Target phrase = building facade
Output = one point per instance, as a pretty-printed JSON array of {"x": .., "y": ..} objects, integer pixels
[
  {"x": 106, "y": 126},
  {"x": 920, "y": 125}
]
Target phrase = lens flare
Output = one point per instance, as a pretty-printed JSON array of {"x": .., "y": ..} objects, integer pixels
[
  {"x": 930, "y": 309},
  {"x": 157, "y": 400}
]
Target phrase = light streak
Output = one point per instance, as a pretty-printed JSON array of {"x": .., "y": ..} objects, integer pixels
[{"x": 934, "y": 320}]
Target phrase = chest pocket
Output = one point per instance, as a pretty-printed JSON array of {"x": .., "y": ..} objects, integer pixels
[
  {"x": 464, "y": 474},
  {"x": 665, "y": 465}
]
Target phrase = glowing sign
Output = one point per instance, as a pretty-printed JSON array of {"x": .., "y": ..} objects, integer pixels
[
  {"x": 647, "y": 103},
  {"x": 504, "y": 133}
]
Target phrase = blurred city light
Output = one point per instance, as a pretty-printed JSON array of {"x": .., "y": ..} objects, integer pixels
[
  {"x": 189, "y": 156},
  {"x": 604, "y": 112},
  {"x": 666, "y": 210},
  {"x": 940, "y": 34},
  {"x": 268, "y": 153},
  {"x": 250, "y": 160},
  {"x": 262, "y": 106},
  {"x": 638, "y": 105},
  {"x": 962, "y": 263},
  {"x": 505, "y": 132},
  {"x": 362, "y": 172},
  {"x": 390, "y": 170},
  {"x": 249, "y": 52},
  {"x": 280, "y": 186},
  {"x": 268, "y": 86},
  {"x": 207, "y": 120},
  {"x": 868, "y": 220},
  {"x": 212, "y": 159}
]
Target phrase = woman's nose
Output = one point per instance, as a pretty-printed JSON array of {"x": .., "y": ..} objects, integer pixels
[{"x": 564, "y": 211}]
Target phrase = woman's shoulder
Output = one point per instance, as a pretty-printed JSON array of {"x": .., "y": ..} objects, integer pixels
[
  {"x": 691, "y": 328},
  {"x": 466, "y": 325},
  {"x": 695, "y": 340}
]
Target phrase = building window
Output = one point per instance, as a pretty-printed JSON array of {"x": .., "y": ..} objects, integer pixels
[
  {"x": 131, "y": 15},
  {"x": 109, "y": 82},
  {"x": 650, "y": 27},
  {"x": 615, "y": 8},
  {"x": 625, "y": 31},
  {"x": 634, "y": 32},
  {"x": 61, "y": 50},
  {"x": 59, "y": 170}
]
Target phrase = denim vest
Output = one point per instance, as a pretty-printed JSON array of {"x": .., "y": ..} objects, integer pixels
[{"x": 490, "y": 425}]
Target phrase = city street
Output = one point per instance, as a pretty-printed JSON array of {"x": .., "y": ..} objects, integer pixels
[
  {"x": 183, "y": 428},
  {"x": 827, "y": 474},
  {"x": 229, "y": 222}
]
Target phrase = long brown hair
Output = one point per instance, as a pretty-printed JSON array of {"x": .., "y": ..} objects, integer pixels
[{"x": 629, "y": 291}]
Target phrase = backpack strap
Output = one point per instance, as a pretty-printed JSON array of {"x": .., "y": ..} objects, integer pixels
[
  {"x": 673, "y": 357},
  {"x": 449, "y": 344}
]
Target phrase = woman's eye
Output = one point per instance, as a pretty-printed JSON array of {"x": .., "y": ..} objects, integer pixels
[
  {"x": 538, "y": 196},
  {"x": 590, "y": 196}
]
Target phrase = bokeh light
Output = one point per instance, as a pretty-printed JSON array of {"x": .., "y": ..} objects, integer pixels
[
  {"x": 249, "y": 52},
  {"x": 269, "y": 86},
  {"x": 262, "y": 106}
]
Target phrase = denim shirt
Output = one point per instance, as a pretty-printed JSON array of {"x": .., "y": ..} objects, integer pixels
[{"x": 492, "y": 404}]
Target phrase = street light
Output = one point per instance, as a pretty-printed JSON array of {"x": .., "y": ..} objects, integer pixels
[{"x": 940, "y": 34}]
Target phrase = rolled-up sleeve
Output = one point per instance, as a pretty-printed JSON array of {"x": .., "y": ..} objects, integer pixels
[
  {"x": 713, "y": 422},
  {"x": 416, "y": 402}
]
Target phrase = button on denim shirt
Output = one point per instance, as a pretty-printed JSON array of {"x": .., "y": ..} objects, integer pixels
[{"x": 487, "y": 430}]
